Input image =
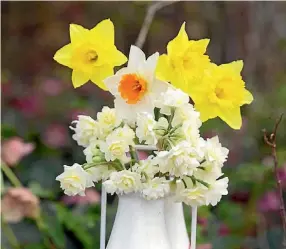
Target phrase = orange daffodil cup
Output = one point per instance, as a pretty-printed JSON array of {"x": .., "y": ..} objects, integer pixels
[
  {"x": 135, "y": 87},
  {"x": 217, "y": 90}
]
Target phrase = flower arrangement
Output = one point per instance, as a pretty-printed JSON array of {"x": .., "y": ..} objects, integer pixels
[{"x": 152, "y": 111}]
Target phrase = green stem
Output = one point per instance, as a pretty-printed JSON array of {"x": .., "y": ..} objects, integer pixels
[
  {"x": 10, "y": 175},
  {"x": 185, "y": 184},
  {"x": 10, "y": 235},
  {"x": 87, "y": 166},
  {"x": 171, "y": 118},
  {"x": 133, "y": 153}
]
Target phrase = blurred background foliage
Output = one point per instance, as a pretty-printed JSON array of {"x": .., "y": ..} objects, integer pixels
[{"x": 39, "y": 103}]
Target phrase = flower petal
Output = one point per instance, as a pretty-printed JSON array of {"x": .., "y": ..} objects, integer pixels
[
  {"x": 79, "y": 78},
  {"x": 199, "y": 46},
  {"x": 163, "y": 69},
  {"x": 112, "y": 84},
  {"x": 117, "y": 58},
  {"x": 248, "y": 98},
  {"x": 63, "y": 55},
  {"x": 78, "y": 34},
  {"x": 179, "y": 43},
  {"x": 103, "y": 31},
  {"x": 136, "y": 57},
  {"x": 232, "y": 117},
  {"x": 100, "y": 74}
]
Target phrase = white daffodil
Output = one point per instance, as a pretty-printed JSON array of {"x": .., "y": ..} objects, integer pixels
[
  {"x": 208, "y": 172},
  {"x": 193, "y": 196},
  {"x": 124, "y": 133},
  {"x": 216, "y": 190},
  {"x": 179, "y": 161},
  {"x": 108, "y": 119},
  {"x": 155, "y": 188},
  {"x": 145, "y": 128},
  {"x": 172, "y": 98},
  {"x": 135, "y": 87},
  {"x": 99, "y": 172},
  {"x": 214, "y": 152},
  {"x": 184, "y": 113},
  {"x": 123, "y": 182},
  {"x": 86, "y": 130},
  {"x": 147, "y": 167},
  {"x": 93, "y": 153},
  {"x": 74, "y": 180}
]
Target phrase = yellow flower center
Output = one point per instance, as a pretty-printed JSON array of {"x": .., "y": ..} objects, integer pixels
[
  {"x": 91, "y": 56},
  {"x": 219, "y": 92},
  {"x": 132, "y": 88}
]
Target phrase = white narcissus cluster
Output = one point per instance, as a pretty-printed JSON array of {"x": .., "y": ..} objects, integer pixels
[{"x": 152, "y": 113}]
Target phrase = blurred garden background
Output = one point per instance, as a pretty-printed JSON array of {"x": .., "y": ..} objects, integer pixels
[{"x": 39, "y": 103}]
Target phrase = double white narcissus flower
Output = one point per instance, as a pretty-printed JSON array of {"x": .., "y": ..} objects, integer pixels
[
  {"x": 146, "y": 167},
  {"x": 145, "y": 128},
  {"x": 216, "y": 190},
  {"x": 187, "y": 112},
  {"x": 123, "y": 182},
  {"x": 214, "y": 152},
  {"x": 135, "y": 87},
  {"x": 155, "y": 188},
  {"x": 171, "y": 98},
  {"x": 86, "y": 130},
  {"x": 179, "y": 161},
  {"x": 117, "y": 144},
  {"x": 194, "y": 195},
  {"x": 74, "y": 180},
  {"x": 108, "y": 120}
]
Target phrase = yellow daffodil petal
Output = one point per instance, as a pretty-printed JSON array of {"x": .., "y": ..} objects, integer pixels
[
  {"x": 103, "y": 31},
  {"x": 199, "y": 46},
  {"x": 117, "y": 58},
  {"x": 78, "y": 34},
  {"x": 206, "y": 112},
  {"x": 178, "y": 45},
  {"x": 63, "y": 55},
  {"x": 79, "y": 78},
  {"x": 237, "y": 65},
  {"x": 100, "y": 74},
  {"x": 232, "y": 117},
  {"x": 163, "y": 69},
  {"x": 248, "y": 98}
]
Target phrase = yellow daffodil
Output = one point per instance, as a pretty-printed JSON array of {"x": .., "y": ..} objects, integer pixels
[
  {"x": 185, "y": 61},
  {"x": 91, "y": 54},
  {"x": 221, "y": 94}
]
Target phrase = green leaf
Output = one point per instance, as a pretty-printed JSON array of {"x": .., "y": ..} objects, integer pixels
[
  {"x": 54, "y": 229},
  {"x": 77, "y": 224}
]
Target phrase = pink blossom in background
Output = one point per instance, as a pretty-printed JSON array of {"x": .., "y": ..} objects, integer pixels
[
  {"x": 205, "y": 246},
  {"x": 18, "y": 203},
  {"x": 14, "y": 149},
  {"x": 202, "y": 221},
  {"x": 30, "y": 106},
  {"x": 223, "y": 230},
  {"x": 56, "y": 136},
  {"x": 91, "y": 196},
  {"x": 52, "y": 87},
  {"x": 269, "y": 202}
]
